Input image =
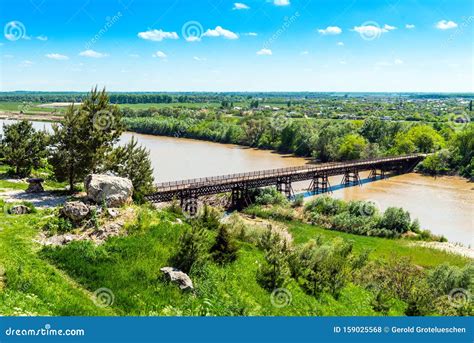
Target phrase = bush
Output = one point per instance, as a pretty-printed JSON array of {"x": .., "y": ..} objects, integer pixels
[
  {"x": 209, "y": 218},
  {"x": 326, "y": 206},
  {"x": 270, "y": 196},
  {"x": 191, "y": 249},
  {"x": 299, "y": 200},
  {"x": 224, "y": 249},
  {"x": 396, "y": 220}
]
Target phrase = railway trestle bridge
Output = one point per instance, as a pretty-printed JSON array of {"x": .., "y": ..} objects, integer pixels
[{"x": 241, "y": 185}]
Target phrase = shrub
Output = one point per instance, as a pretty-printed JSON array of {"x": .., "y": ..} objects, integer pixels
[
  {"x": 209, "y": 218},
  {"x": 396, "y": 220},
  {"x": 270, "y": 196},
  {"x": 299, "y": 200},
  {"x": 326, "y": 206},
  {"x": 191, "y": 249},
  {"x": 224, "y": 249},
  {"x": 274, "y": 272}
]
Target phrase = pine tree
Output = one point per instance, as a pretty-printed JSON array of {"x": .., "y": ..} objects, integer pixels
[
  {"x": 23, "y": 147},
  {"x": 133, "y": 162},
  {"x": 274, "y": 272},
  {"x": 224, "y": 249},
  {"x": 83, "y": 138},
  {"x": 191, "y": 250}
]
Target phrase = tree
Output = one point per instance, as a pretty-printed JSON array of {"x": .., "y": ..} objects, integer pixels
[
  {"x": 274, "y": 272},
  {"x": 224, "y": 249},
  {"x": 352, "y": 147},
  {"x": 23, "y": 147},
  {"x": 396, "y": 219},
  {"x": 84, "y": 137},
  {"x": 191, "y": 250},
  {"x": 133, "y": 162}
]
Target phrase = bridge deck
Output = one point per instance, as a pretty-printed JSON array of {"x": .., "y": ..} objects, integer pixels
[{"x": 296, "y": 173}]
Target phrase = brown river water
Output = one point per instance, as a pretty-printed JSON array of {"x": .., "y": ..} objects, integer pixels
[{"x": 443, "y": 205}]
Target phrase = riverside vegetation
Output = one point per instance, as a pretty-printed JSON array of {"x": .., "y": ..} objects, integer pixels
[{"x": 326, "y": 257}]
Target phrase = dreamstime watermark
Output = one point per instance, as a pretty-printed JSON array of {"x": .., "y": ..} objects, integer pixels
[
  {"x": 465, "y": 23},
  {"x": 287, "y": 22},
  {"x": 458, "y": 121},
  {"x": 103, "y": 297},
  {"x": 103, "y": 120},
  {"x": 109, "y": 22},
  {"x": 192, "y": 31},
  {"x": 25, "y": 107},
  {"x": 459, "y": 297},
  {"x": 281, "y": 297},
  {"x": 45, "y": 331},
  {"x": 369, "y": 208},
  {"x": 279, "y": 121},
  {"x": 14, "y": 31},
  {"x": 370, "y": 30}
]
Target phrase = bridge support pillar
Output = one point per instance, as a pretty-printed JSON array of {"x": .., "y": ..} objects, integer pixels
[
  {"x": 284, "y": 186},
  {"x": 189, "y": 203},
  {"x": 319, "y": 184},
  {"x": 239, "y": 197},
  {"x": 374, "y": 173},
  {"x": 351, "y": 178}
]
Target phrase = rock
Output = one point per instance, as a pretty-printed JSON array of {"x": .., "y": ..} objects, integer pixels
[
  {"x": 177, "y": 276},
  {"x": 106, "y": 231},
  {"x": 113, "y": 212},
  {"x": 113, "y": 190},
  {"x": 75, "y": 210},
  {"x": 19, "y": 209},
  {"x": 35, "y": 185}
]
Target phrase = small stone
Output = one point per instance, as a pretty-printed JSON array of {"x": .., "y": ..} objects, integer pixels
[
  {"x": 177, "y": 276},
  {"x": 75, "y": 210},
  {"x": 113, "y": 212},
  {"x": 19, "y": 209}
]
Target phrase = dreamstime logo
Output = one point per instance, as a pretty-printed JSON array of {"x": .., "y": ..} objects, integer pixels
[
  {"x": 192, "y": 31},
  {"x": 190, "y": 208},
  {"x": 287, "y": 22},
  {"x": 109, "y": 22},
  {"x": 103, "y": 297},
  {"x": 370, "y": 30},
  {"x": 369, "y": 208},
  {"x": 25, "y": 107},
  {"x": 458, "y": 121},
  {"x": 103, "y": 120},
  {"x": 460, "y": 30},
  {"x": 459, "y": 297},
  {"x": 14, "y": 30},
  {"x": 281, "y": 297},
  {"x": 279, "y": 122}
]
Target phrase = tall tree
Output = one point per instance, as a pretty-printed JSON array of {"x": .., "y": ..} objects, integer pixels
[
  {"x": 23, "y": 147},
  {"x": 84, "y": 137}
]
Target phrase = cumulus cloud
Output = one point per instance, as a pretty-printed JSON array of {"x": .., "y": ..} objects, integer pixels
[
  {"x": 219, "y": 31},
  {"x": 160, "y": 54},
  {"x": 253, "y": 34},
  {"x": 409, "y": 26},
  {"x": 42, "y": 38},
  {"x": 340, "y": 43},
  {"x": 446, "y": 25},
  {"x": 58, "y": 57},
  {"x": 240, "y": 6},
  {"x": 389, "y": 27},
  {"x": 92, "y": 53},
  {"x": 372, "y": 30},
  {"x": 264, "y": 52},
  {"x": 330, "y": 30},
  {"x": 157, "y": 35},
  {"x": 281, "y": 2}
]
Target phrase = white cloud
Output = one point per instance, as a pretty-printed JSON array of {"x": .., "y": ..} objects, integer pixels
[
  {"x": 199, "y": 59},
  {"x": 409, "y": 26},
  {"x": 281, "y": 2},
  {"x": 253, "y": 34},
  {"x": 58, "y": 57},
  {"x": 398, "y": 61},
  {"x": 304, "y": 52},
  {"x": 330, "y": 30},
  {"x": 219, "y": 31},
  {"x": 193, "y": 39},
  {"x": 264, "y": 52},
  {"x": 240, "y": 6},
  {"x": 340, "y": 43},
  {"x": 389, "y": 27},
  {"x": 42, "y": 38},
  {"x": 446, "y": 25},
  {"x": 92, "y": 53},
  {"x": 157, "y": 35},
  {"x": 160, "y": 54}
]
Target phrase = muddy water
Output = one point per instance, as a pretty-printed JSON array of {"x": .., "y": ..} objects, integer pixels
[{"x": 443, "y": 205}]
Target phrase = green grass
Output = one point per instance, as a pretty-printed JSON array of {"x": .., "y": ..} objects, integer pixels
[
  {"x": 27, "y": 107},
  {"x": 380, "y": 247},
  {"x": 34, "y": 286}
]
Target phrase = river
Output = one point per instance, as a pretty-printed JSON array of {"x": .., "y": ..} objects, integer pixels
[{"x": 443, "y": 205}]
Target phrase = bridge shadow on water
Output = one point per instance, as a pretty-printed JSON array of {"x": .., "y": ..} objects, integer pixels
[{"x": 331, "y": 189}]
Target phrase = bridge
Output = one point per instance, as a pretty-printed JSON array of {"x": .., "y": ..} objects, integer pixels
[{"x": 241, "y": 185}]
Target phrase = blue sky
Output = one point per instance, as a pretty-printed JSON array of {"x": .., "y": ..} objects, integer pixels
[{"x": 250, "y": 45}]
